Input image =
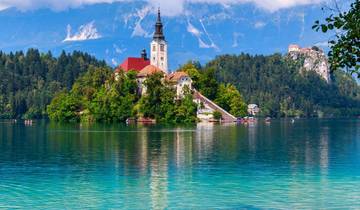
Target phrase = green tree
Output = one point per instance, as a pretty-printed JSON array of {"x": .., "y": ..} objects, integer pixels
[
  {"x": 270, "y": 80},
  {"x": 345, "y": 48},
  {"x": 208, "y": 85},
  {"x": 150, "y": 103},
  {"x": 159, "y": 102},
  {"x": 28, "y": 81},
  {"x": 64, "y": 108},
  {"x": 217, "y": 115},
  {"x": 230, "y": 99},
  {"x": 193, "y": 72},
  {"x": 114, "y": 101},
  {"x": 186, "y": 109}
]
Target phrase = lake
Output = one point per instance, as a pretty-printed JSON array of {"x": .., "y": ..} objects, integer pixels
[{"x": 308, "y": 164}]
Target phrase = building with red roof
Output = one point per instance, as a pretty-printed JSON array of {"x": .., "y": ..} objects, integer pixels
[
  {"x": 136, "y": 64},
  {"x": 181, "y": 81},
  {"x": 149, "y": 70}
]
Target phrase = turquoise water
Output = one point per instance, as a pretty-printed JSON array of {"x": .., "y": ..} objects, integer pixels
[{"x": 311, "y": 164}]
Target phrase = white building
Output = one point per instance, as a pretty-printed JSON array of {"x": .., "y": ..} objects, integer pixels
[
  {"x": 181, "y": 82},
  {"x": 294, "y": 48},
  {"x": 253, "y": 109},
  {"x": 144, "y": 74}
]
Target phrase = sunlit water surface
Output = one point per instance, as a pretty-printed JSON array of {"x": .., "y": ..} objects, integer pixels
[{"x": 309, "y": 164}]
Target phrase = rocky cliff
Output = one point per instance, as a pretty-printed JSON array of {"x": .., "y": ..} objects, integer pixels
[{"x": 314, "y": 60}]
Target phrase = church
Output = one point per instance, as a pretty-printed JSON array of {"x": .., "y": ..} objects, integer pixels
[{"x": 158, "y": 63}]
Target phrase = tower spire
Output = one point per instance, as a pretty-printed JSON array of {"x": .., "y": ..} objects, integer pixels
[
  {"x": 159, "y": 35},
  {"x": 158, "y": 46},
  {"x": 159, "y": 16}
]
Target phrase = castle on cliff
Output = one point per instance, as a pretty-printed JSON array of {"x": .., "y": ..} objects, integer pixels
[{"x": 314, "y": 60}]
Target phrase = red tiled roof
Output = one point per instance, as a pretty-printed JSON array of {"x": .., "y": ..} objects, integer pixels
[
  {"x": 294, "y": 46},
  {"x": 176, "y": 76},
  {"x": 149, "y": 70},
  {"x": 136, "y": 64}
]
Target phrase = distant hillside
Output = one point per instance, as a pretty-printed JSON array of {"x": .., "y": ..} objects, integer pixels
[
  {"x": 278, "y": 85},
  {"x": 28, "y": 81}
]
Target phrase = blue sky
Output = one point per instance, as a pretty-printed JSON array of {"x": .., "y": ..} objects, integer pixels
[{"x": 195, "y": 29}]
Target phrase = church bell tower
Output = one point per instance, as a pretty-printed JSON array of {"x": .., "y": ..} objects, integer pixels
[{"x": 159, "y": 56}]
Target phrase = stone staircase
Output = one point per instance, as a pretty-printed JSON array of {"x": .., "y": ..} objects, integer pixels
[{"x": 226, "y": 116}]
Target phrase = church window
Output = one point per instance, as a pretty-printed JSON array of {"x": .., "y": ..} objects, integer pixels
[
  {"x": 162, "y": 58},
  {"x": 154, "y": 48},
  {"x": 162, "y": 48}
]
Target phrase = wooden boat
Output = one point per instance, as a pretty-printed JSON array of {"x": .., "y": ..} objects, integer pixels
[{"x": 146, "y": 120}]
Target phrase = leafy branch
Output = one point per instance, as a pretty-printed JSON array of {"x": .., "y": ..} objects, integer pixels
[{"x": 345, "y": 47}]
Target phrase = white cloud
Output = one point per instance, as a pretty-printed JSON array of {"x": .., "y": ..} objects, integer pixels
[
  {"x": 114, "y": 62},
  {"x": 259, "y": 24},
  {"x": 86, "y": 32},
  {"x": 197, "y": 33},
  {"x": 3, "y": 6},
  {"x": 53, "y": 4},
  {"x": 236, "y": 37},
  {"x": 170, "y": 8},
  {"x": 194, "y": 31},
  {"x": 118, "y": 50},
  {"x": 212, "y": 45},
  {"x": 176, "y": 7},
  {"x": 273, "y": 5},
  {"x": 202, "y": 44},
  {"x": 138, "y": 29}
]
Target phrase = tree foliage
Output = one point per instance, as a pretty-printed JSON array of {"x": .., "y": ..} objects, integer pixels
[
  {"x": 64, "y": 108},
  {"x": 275, "y": 83},
  {"x": 28, "y": 81},
  {"x": 81, "y": 88},
  {"x": 230, "y": 99},
  {"x": 161, "y": 104},
  {"x": 225, "y": 95},
  {"x": 345, "y": 48},
  {"x": 99, "y": 96}
]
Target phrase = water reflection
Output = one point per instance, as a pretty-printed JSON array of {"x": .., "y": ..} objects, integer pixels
[
  {"x": 204, "y": 137},
  {"x": 324, "y": 150},
  {"x": 159, "y": 177},
  {"x": 162, "y": 167}
]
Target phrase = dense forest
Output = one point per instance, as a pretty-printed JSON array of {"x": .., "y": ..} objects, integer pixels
[
  {"x": 28, "y": 81},
  {"x": 85, "y": 89},
  {"x": 275, "y": 83}
]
